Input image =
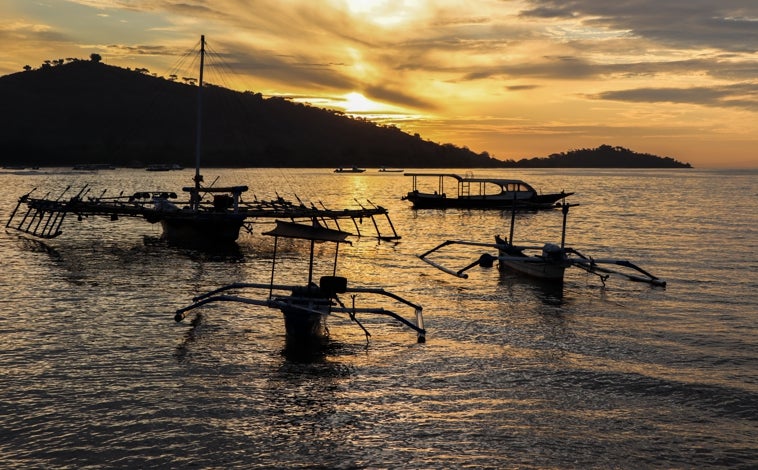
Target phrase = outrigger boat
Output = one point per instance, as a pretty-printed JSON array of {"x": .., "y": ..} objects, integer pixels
[
  {"x": 480, "y": 193},
  {"x": 547, "y": 262},
  {"x": 306, "y": 307},
  {"x": 209, "y": 223},
  {"x": 210, "y": 216}
]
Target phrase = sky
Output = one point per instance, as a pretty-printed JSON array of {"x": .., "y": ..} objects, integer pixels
[{"x": 513, "y": 78}]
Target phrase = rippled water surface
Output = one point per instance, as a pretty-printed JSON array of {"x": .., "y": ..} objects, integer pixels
[{"x": 95, "y": 372}]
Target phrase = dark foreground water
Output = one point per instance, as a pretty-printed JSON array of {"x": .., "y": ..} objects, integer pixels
[{"x": 94, "y": 372}]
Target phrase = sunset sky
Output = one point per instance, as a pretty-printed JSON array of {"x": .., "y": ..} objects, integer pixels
[{"x": 517, "y": 79}]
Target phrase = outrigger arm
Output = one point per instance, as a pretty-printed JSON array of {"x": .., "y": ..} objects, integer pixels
[
  {"x": 486, "y": 259},
  {"x": 283, "y": 302},
  {"x": 461, "y": 272},
  {"x": 591, "y": 266},
  {"x": 584, "y": 262}
]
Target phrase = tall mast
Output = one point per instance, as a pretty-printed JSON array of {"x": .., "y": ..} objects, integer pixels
[{"x": 199, "y": 127}]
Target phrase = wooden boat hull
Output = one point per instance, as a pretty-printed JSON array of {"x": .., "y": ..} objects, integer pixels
[
  {"x": 538, "y": 270},
  {"x": 305, "y": 314},
  {"x": 201, "y": 228},
  {"x": 549, "y": 266},
  {"x": 305, "y": 325},
  {"x": 436, "y": 201}
]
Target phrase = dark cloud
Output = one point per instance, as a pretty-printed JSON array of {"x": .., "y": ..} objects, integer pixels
[
  {"x": 730, "y": 25},
  {"x": 721, "y": 67},
  {"x": 388, "y": 95},
  {"x": 564, "y": 68},
  {"x": 122, "y": 49},
  {"x": 295, "y": 70},
  {"x": 521, "y": 87},
  {"x": 741, "y": 95}
]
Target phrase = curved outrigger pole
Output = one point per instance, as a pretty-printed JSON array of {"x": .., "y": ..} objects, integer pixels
[
  {"x": 549, "y": 263},
  {"x": 305, "y": 308}
]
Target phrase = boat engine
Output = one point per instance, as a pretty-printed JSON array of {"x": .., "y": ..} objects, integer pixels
[{"x": 553, "y": 252}]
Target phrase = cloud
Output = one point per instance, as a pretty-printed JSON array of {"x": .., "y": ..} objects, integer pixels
[
  {"x": 728, "y": 25},
  {"x": 491, "y": 63},
  {"x": 30, "y": 32},
  {"x": 381, "y": 93},
  {"x": 740, "y": 95}
]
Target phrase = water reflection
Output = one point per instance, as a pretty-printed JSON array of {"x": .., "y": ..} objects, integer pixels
[
  {"x": 548, "y": 292},
  {"x": 308, "y": 350},
  {"x": 34, "y": 245},
  {"x": 295, "y": 350},
  {"x": 572, "y": 376},
  {"x": 183, "y": 349}
]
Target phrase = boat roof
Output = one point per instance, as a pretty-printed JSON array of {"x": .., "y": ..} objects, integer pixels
[
  {"x": 226, "y": 189},
  {"x": 500, "y": 181},
  {"x": 307, "y": 232}
]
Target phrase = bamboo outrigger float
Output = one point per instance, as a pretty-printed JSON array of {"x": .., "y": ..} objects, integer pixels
[
  {"x": 547, "y": 262},
  {"x": 306, "y": 307}
]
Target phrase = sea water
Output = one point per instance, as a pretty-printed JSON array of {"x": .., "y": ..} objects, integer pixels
[{"x": 95, "y": 372}]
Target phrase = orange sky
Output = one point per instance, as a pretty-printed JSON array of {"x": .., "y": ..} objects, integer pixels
[{"x": 517, "y": 79}]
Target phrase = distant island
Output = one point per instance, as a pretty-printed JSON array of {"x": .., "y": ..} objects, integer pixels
[
  {"x": 604, "y": 156},
  {"x": 78, "y": 111}
]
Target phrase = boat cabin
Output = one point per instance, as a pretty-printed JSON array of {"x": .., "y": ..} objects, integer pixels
[{"x": 477, "y": 187}]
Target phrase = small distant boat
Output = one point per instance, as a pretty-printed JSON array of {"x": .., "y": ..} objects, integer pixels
[
  {"x": 93, "y": 166},
  {"x": 480, "y": 193},
  {"x": 390, "y": 170},
  {"x": 305, "y": 308},
  {"x": 352, "y": 169},
  {"x": 547, "y": 262},
  {"x": 164, "y": 167}
]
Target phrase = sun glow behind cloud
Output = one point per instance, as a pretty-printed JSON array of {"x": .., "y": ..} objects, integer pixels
[
  {"x": 386, "y": 13},
  {"x": 357, "y": 103}
]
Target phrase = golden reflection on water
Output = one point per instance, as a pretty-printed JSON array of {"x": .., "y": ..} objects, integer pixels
[{"x": 514, "y": 373}]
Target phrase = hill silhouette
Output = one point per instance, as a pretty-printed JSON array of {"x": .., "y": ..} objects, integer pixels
[
  {"x": 604, "y": 156},
  {"x": 85, "y": 111}
]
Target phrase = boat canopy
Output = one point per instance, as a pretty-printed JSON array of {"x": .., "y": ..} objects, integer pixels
[
  {"x": 308, "y": 232},
  {"x": 465, "y": 184},
  {"x": 229, "y": 189},
  {"x": 462, "y": 179}
]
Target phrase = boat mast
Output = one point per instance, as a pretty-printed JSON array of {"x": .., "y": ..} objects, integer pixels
[
  {"x": 565, "y": 210},
  {"x": 198, "y": 177}
]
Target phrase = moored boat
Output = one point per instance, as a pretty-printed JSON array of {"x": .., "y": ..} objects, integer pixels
[
  {"x": 305, "y": 308},
  {"x": 479, "y": 193},
  {"x": 163, "y": 167},
  {"x": 547, "y": 262}
]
